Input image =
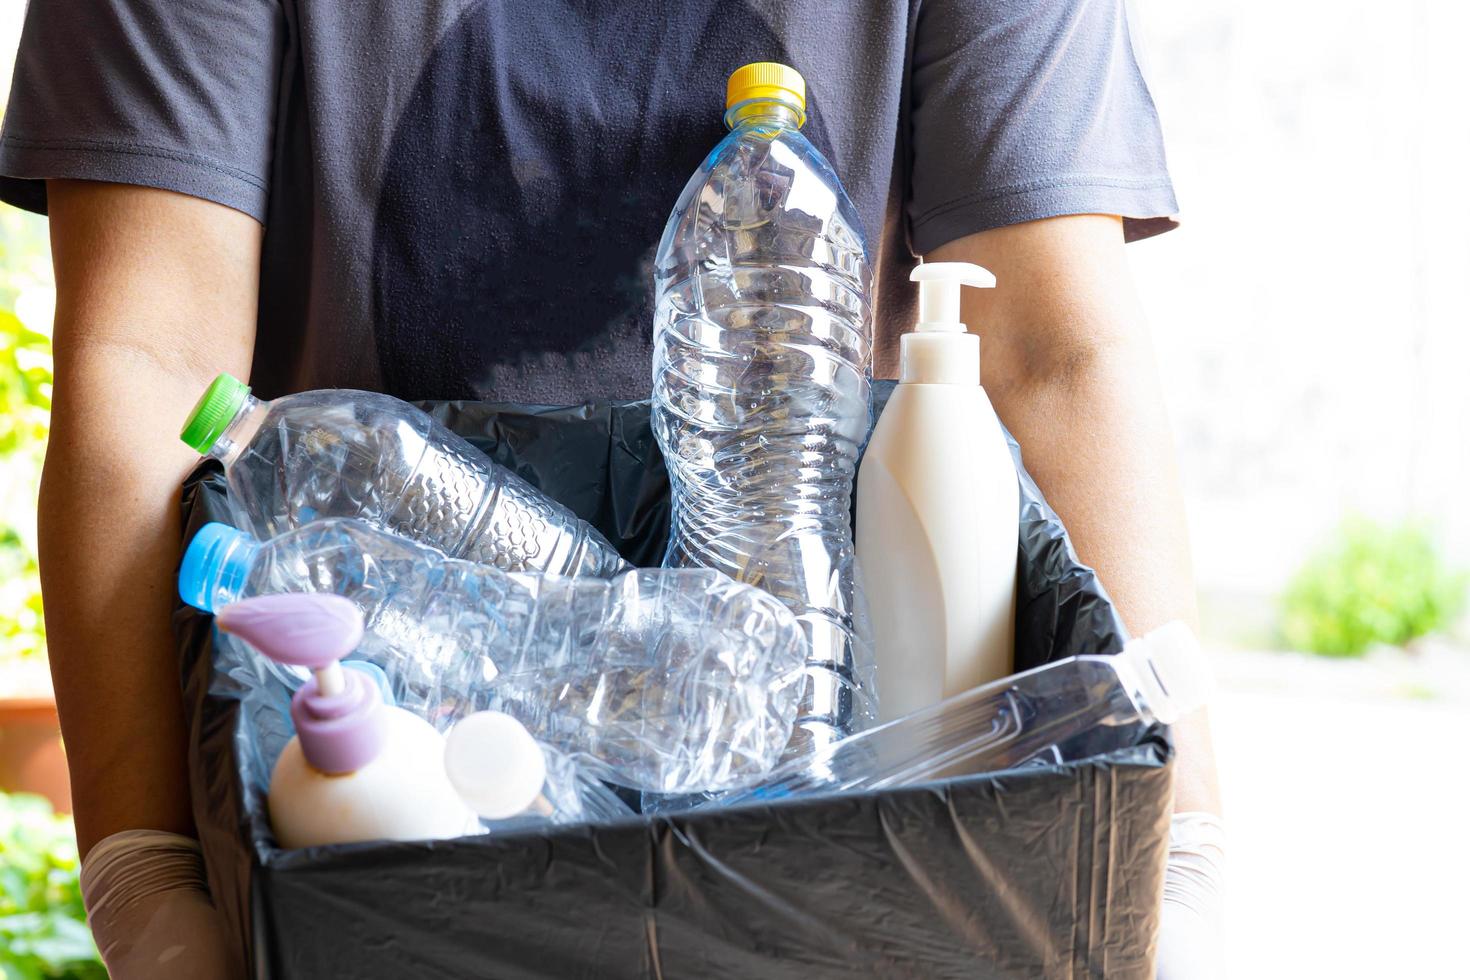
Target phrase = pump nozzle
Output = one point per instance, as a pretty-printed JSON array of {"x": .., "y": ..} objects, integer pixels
[
  {"x": 939, "y": 293},
  {"x": 338, "y": 714}
]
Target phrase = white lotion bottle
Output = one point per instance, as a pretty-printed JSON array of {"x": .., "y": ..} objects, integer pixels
[
  {"x": 357, "y": 769},
  {"x": 938, "y": 512}
]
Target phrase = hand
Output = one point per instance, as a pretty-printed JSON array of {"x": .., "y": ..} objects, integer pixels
[
  {"x": 149, "y": 908},
  {"x": 1191, "y": 945}
]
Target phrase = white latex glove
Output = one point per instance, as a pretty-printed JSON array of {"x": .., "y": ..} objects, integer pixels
[
  {"x": 1191, "y": 945},
  {"x": 149, "y": 909}
]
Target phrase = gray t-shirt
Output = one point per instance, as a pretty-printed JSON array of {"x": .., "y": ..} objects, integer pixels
[{"x": 462, "y": 197}]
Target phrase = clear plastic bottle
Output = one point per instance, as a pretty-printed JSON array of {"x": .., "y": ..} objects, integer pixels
[
  {"x": 340, "y": 453},
  {"x": 674, "y": 680},
  {"x": 762, "y": 347},
  {"x": 1070, "y": 709},
  {"x": 429, "y": 619}
]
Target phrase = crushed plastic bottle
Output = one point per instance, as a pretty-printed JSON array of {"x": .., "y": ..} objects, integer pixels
[
  {"x": 673, "y": 680},
  {"x": 761, "y": 376},
  {"x": 340, "y": 453},
  {"x": 1068, "y": 710}
]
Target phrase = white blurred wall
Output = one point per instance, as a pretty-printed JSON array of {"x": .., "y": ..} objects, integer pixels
[{"x": 1311, "y": 313}]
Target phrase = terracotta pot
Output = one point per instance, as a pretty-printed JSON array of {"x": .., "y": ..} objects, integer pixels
[{"x": 31, "y": 758}]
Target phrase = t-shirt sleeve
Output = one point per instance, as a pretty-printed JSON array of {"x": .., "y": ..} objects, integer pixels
[
  {"x": 176, "y": 94},
  {"x": 1026, "y": 109}
]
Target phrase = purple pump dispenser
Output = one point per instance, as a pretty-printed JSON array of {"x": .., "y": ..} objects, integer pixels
[{"x": 338, "y": 714}]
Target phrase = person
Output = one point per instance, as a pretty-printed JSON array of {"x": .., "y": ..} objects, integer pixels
[{"x": 390, "y": 196}]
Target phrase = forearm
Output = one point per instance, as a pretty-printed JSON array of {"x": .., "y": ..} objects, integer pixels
[
  {"x": 1094, "y": 438},
  {"x": 109, "y": 524},
  {"x": 1071, "y": 371},
  {"x": 155, "y": 292},
  {"x": 1096, "y": 442}
]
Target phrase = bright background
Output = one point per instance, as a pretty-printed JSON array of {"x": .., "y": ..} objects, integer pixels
[
  {"x": 1311, "y": 314},
  {"x": 1313, "y": 331}
]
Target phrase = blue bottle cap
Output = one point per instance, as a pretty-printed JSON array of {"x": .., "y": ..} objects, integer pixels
[{"x": 215, "y": 566}]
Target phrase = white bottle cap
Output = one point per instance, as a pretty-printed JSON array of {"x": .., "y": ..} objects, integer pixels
[
  {"x": 1176, "y": 672},
  {"x": 495, "y": 765},
  {"x": 939, "y": 293}
]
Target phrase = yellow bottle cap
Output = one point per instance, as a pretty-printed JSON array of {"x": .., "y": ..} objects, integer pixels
[{"x": 767, "y": 80}]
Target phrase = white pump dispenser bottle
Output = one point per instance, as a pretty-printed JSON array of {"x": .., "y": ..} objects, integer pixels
[
  {"x": 357, "y": 769},
  {"x": 938, "y": 508}
]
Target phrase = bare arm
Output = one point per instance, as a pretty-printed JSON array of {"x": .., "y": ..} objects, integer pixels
[
  {"x": 1067, "y": 360},
  {"x": 156, "y": 293}
]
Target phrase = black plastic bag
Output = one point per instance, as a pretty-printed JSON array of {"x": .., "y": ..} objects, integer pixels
[{"x": 1050, "y": 871}]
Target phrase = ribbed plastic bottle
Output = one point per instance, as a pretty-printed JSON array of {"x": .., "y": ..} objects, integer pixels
[
  {"x": 341, "y": 453},
  {"x": 762, "y": 348},
  {"x": 675, "y": 680},
  {"x": 1068, "y": 710}
]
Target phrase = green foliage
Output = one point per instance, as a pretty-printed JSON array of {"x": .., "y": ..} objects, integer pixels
[
  {"x": 22, "y": 627},
  {"x": 1371, "y": 584},
  {"x": 43, "y": 931},
  {"x": 25, "y": 386},
  {"x": 25, "y": 411}
]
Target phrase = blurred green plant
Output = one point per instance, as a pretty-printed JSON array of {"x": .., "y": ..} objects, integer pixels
[
  {"x": 43, "y": 930},
  {"x": 1371, "y": 584},
  {"x": 25, "y": 387},
  {"x": 25, "y": 414},
  {"x": 22, "y": 626}
]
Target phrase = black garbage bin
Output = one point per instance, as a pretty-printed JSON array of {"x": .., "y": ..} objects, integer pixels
[{"x": 1047, "y": 871}]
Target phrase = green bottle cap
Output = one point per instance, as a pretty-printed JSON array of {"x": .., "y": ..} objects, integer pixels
[{"x": 212, "y": 415}]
